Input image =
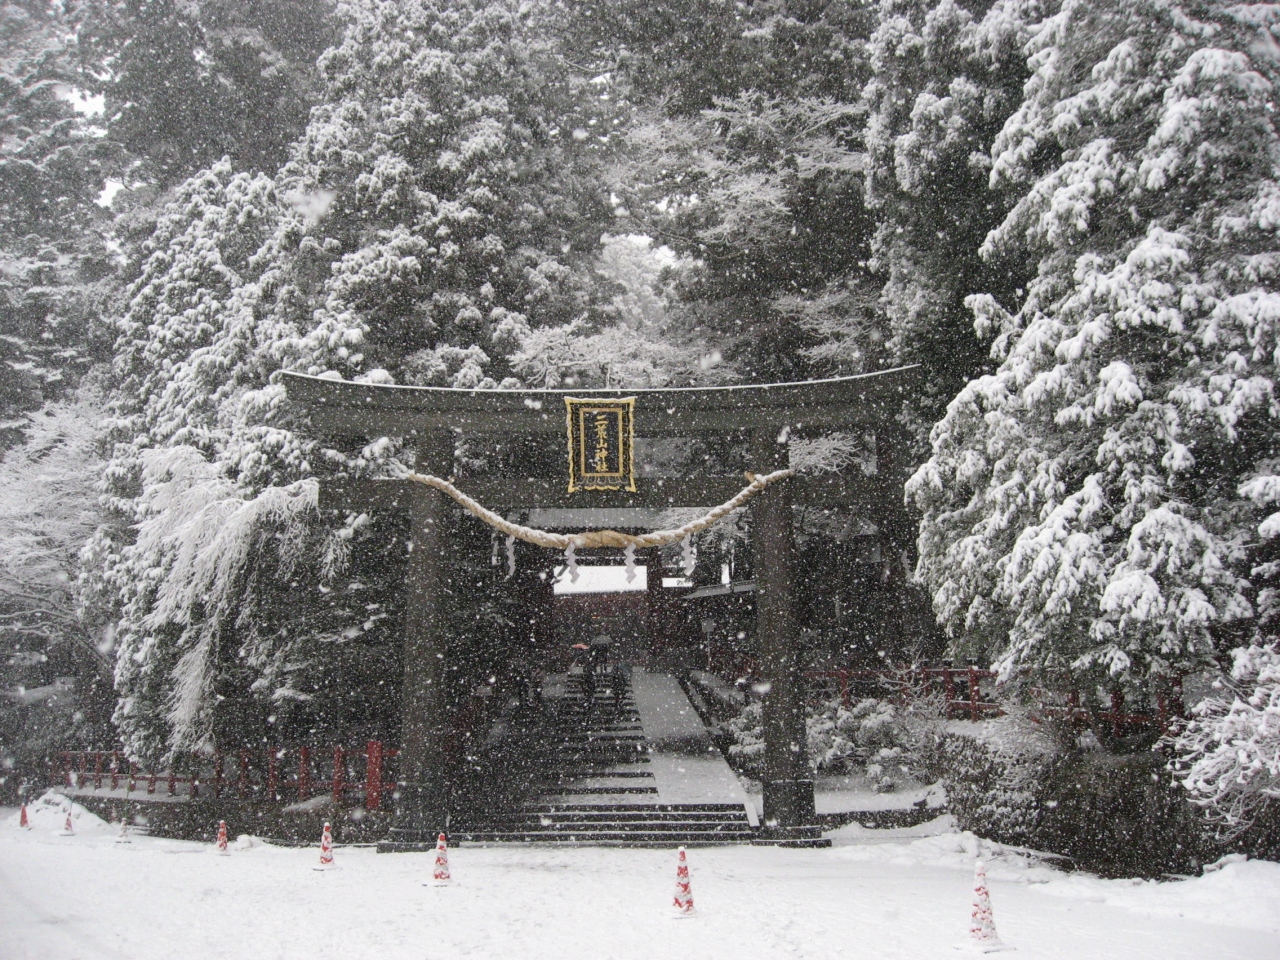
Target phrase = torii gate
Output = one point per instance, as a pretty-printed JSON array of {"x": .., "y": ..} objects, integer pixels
[{"x": 434, "y": 418}]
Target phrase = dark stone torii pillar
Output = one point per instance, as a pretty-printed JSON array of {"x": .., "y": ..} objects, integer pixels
[
  {"x": 422, "y": 807},
  {"x": 788, "y": 785}
]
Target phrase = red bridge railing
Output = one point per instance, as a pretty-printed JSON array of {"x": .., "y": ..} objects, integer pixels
[{"x": 274, "y": 774}]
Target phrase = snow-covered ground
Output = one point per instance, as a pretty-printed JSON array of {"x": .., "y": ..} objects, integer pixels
[{"x": 901, "y": 894}]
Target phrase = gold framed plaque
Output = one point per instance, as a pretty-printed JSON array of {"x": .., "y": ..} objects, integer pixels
[{"x": 601, "y": 444}]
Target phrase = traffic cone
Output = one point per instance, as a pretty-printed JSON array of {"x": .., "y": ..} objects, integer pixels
[
  {"x": 67, "y": 829},
  {"x": 222, "y": 841},
  {"x": 684, "y": 897},
  {"x": 440, "y": 873},
  {"x": 124, "y": 831},
  {"x": 982, "y": 926},
  {"x": 326, "y": 849},
  {"x": 23, "y": 822}
]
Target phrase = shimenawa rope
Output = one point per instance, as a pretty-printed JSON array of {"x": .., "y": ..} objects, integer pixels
[{"x": 602, "y": 538}]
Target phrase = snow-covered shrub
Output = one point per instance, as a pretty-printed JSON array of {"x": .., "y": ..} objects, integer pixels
[
  {"x": 992, "y": 773},
  {"x": 1119, "y": 815},
  {"x": 868, "y": 736},
  {"x": 1228, "y": 755},
  {"x": 1018, "y": 780},
  {"x": 747, "y": 750}
]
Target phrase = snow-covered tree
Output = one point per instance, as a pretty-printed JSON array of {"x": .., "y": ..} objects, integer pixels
[
  {"x": 944, "y": 78},
  {"x": 448, "y": 213},
  {"x": 201, "y": 467},
  {"x": 55, "y": 672},
  {"x": 53, "y": 260},
  {"x": 1089, "y": 508},
  {"x": 1229, "y": 752},
  {"x": 763, "y": 196},
  {"x": 432, "y": 218},
  {"x": 190, "y": 81},
  {"x": 630, "y": 341}
]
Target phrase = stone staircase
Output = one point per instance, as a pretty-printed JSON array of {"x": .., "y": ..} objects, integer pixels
[{"x": 590, "y": 782}]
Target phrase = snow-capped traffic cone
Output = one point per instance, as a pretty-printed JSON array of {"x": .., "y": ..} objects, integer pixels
[
  {"x": 326, "y": 850},
  {"x": 124, "y": 831},
  {"x": 683, "y": 901},
  {"x": 982, "y": 925},
  {"x": 440, "y": 872},
  {"x": 221, "y": 845},
  {"x": 23, "y": 822},
  {"x": 67, "y": 829}
]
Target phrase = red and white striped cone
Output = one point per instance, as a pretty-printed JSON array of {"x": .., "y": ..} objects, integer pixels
[
  {"x": 221, "y": 845},
  {"x": 683, "y": 901},
  {"x": 440, "y": 872},
  {"x": 23, "y": 822},
  {"x": 67, "y": 829},
  {"x": 982, "y": 925},
  {"x": 326, "y": 849}
]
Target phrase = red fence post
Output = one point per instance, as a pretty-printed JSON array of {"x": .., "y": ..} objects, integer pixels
[
  {"x": 949, "y": 691},
  {"x": 97, "y": 770},
  {"x": 133, "y": 776},
  {"x": 339, "y": 774},
  {"x": 973, "y": 693},
  {"x": 304, "y": 773},
  {"x": 1117, "y": 712},
  {"x": 373, "y": 775},
  {"x": 273, "y": 773},
  {"x": 115, "y": 768},
  {"x": 173, "y": 782}
]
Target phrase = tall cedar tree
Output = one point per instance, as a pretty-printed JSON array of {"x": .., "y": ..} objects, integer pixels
[
  {"x": 1092, "y": 508},
  {"x": 55, "y": 269}
]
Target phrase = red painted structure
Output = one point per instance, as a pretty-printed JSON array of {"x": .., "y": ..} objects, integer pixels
[
  {"x": 962, "y": 691},
  {"x": 352, "y": 773},
  {"x": 295, "y": 774}
]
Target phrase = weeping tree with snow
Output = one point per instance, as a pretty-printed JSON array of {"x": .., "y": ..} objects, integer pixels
[
  {"x": 55, "y": 673},
  {"x": 206, "y": 482},
  {"x": 433, "y": 215},
  {"x": 1091, "y": 509}
]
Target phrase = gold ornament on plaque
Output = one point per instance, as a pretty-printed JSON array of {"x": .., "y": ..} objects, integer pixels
[{"x": 601, "y": 444}]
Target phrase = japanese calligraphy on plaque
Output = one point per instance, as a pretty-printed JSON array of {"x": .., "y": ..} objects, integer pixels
[{"x": 601, "y": 438}]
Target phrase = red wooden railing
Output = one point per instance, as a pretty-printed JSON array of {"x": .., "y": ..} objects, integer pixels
[
  {"x": 258, "y": 774},
  {"x": 962, "y": 693},
  {"x": 903, "y": 683}
]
